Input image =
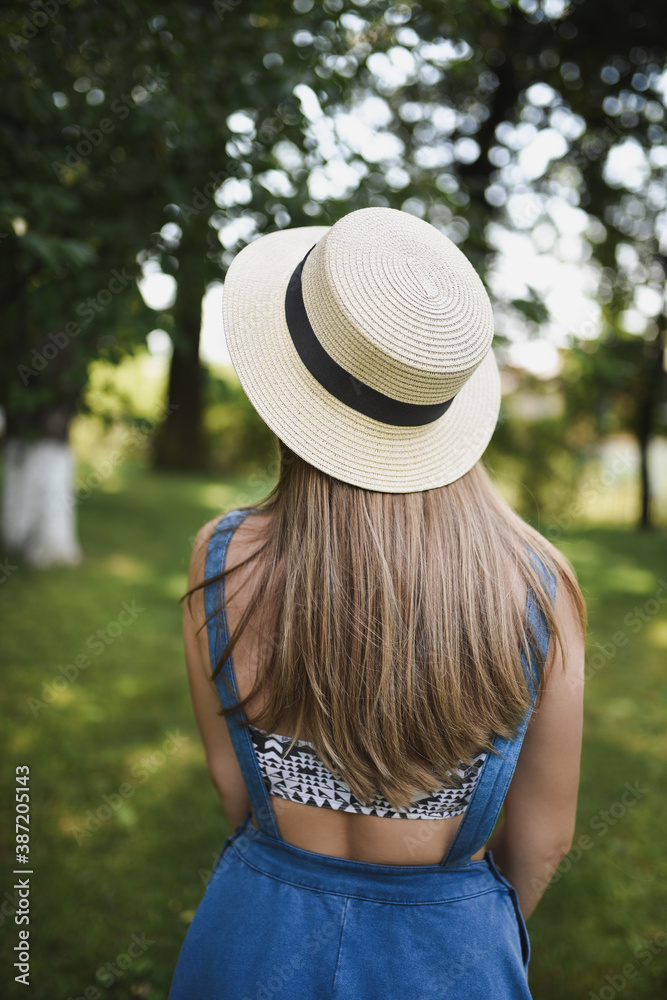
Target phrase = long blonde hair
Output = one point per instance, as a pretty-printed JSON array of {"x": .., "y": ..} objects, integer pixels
[{"x": 400, "y": 624}]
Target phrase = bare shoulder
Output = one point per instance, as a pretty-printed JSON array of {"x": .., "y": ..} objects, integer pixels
[
  {"x": 248, "y": 534},
  {"x": 199, "y": 550},
  {"x": 197, "y": 568},
  {"x": 242, "y": 532},
  {"x": 193, "y": 607}
]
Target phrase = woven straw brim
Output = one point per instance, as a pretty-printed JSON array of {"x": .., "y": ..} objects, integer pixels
[{"x": 314, "y": 424}]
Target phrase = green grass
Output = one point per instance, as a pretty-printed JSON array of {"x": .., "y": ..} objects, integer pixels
[{"x": 102, "y": 733}]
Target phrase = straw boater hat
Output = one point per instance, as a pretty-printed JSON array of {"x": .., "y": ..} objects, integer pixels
[{"x": 366, "y": 347}]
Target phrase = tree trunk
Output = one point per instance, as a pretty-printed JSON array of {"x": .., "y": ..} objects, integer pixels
[
  {"x": 38, "y": 510},
  {"x": 179, "y": 440},
  {"x": 654, "y": 370}
]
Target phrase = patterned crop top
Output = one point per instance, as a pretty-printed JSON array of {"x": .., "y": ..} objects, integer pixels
[{"x": 300, "y": 775}]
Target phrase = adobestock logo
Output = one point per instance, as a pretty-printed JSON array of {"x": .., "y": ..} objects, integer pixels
[
  {"x": 635, "y": 620},
  {"x": 39, "y": 17},
  {"x": 222, "y": 7},
  {"x": 601, "y": 823},
  {"x": 96, "y": 642},
  {"x": 644, "y": 953},
  {"x": 144, "y": 769},
  {"x": 88, "y": 309},
  {"x": 92, "y": 138}
]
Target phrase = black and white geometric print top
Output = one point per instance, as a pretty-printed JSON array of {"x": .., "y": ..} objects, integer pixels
[{"x": 300, "y": 775}]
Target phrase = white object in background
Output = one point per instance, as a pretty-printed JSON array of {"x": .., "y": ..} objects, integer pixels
[{"x": 39, "y": 508}]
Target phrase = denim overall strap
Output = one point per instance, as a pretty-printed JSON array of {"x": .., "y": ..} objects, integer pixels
[
  {"x": 225, "y": 680},
  {"x": 491, "y": 788}
]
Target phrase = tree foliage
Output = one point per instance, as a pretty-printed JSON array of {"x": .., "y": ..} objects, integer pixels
[{"x": 137, "y": 138}]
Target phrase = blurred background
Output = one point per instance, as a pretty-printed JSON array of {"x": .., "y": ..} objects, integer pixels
[{"x": 142, "y": 146}]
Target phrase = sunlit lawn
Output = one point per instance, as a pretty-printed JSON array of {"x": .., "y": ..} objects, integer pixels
[{"x": 126, "y": 822}]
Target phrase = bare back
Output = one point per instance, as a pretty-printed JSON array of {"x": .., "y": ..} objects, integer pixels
[{"x": 373, "y": 839}]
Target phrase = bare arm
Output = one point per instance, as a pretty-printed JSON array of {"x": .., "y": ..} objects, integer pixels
[
  {"x": 540, "y": 807},
  {"x": 221, "y": 759}
]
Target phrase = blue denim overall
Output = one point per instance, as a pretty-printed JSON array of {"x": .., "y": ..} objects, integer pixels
[{"x": 277, "y": 922}]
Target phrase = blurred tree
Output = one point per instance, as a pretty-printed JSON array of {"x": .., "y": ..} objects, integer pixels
[
  {"x": 114, "y": 143},
  {"x": 67, "y": 276},
  {"x": 585, "y": 83},
  {"x": 171, "y": 139},
  {"x": 68, "y": 247},
  {"x": 620, "y": 376},
  {"x": 612, "y": 82},
  {"x": 446, "y": 99},
  {"x": 116, "y": 139}
]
